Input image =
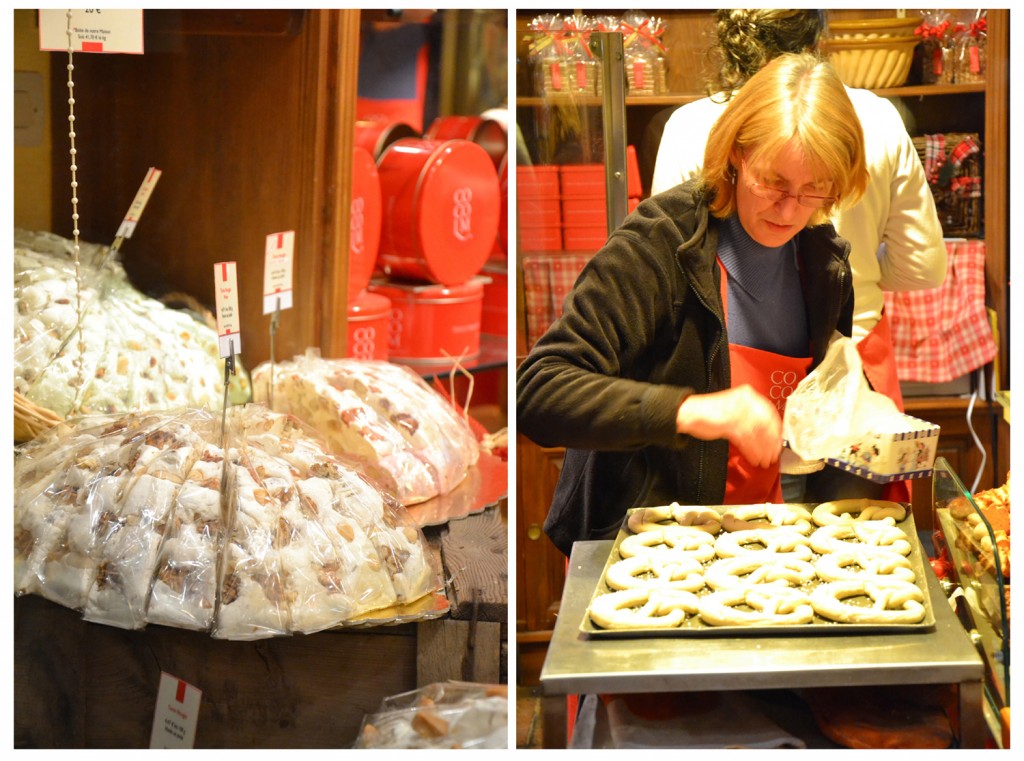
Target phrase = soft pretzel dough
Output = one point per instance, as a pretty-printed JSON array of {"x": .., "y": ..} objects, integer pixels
[
  {"x": 859, "y": 510},
  {"x": 835, "y": 566},
  {"x": 642, "y": 608},
  {"x": 773, "y": 541},
  {"x": 767, "y": 515},
  {"x": 694, "y": 543},
  {"x": 753, "y": 570},
  {"x": 669, "y": 570},
  {"x": 892, "y": 602},
  {"x": 867, "y": 537},
  {"x": 745, "y": 606},
  {"x": 699, "y": 517}
]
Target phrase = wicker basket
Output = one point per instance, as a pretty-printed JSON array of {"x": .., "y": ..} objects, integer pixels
[
  {"x": 956, "y": 188},
  {"x": 874, "y": 62},
  {"x": 873, "y": 27}
]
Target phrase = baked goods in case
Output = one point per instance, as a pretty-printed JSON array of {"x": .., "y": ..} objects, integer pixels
[
  {"x": 125, "y": 519},
  {"x": 407, "y": 435}
]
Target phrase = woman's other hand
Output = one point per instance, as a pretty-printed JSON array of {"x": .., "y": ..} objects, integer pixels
[{"x": 747, "y": 419}]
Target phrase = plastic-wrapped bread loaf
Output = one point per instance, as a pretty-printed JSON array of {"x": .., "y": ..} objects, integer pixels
[
  {"x": 408, "y": 436},
  {"x": 138, "y": 353},
  {"x": 148, "y": 518}
]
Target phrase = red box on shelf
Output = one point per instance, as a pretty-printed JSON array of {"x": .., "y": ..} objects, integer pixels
[
  {"x": 582, "y": 212},
  {"x": 540, "y": 238},
  {"x": 539, "y": 212},
  {"x": 583, "y": 180},
  {"x": 540, "y": 181},
  {"x": 587, "y": 238}
]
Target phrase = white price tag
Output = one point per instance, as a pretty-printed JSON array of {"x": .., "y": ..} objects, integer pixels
[
  {"x": 228, "y": 319},
  {"x": 139, "y": 204},
  {"x": 92, "y": 30},
  {"x": 277, "y": 271},
  {"x": 176, "y": 714}
]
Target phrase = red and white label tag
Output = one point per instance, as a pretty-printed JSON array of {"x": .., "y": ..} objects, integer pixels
[
  {"x": 277, "y": 271},
  {"x": 92, "y": 30},
  {"x": 228, "y": 320},
  {"x": 176, "y": 714},
  {"x": 139, "y": 203}
]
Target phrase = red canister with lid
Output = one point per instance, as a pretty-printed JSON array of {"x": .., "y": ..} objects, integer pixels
[
  {"x": 432, "y": 322},
  {"x": 364, "y": 221},
  {"x": 375, "y": 136},
  {"x": 369, "y": 323},
  {"x": 487, "y": 133},
  {"x": 442, "y": 204},
  {"x": 494, "y": 315}
]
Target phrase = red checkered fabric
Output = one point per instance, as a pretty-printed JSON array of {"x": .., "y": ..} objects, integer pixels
[
  {"x": 547, "y": 280},
  {"x": 943, "y": 333},
  {"x": 934, "y": 156}
]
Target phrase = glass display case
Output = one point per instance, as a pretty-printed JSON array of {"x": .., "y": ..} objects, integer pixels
[{"x": 973, "y": 557}]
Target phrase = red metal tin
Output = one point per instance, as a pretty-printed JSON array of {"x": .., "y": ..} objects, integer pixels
[
  {"x": 369, "y": 324},
  {"x": 540, "y": 212},
  {"x": 364, "y": 221},
  {"x": 501, "y": 246},
  {"x": 584, "y": 238},
  {"x": 441, "y": 205},
  {"x": 583, "y": 181},
  {"x": 430, "y": 321},
  {"x": 582, "y": 212},
  {"x": 494, "y": 314},
  {"x": 375, "y": 136},
  {"x": 487, "y": 133}
]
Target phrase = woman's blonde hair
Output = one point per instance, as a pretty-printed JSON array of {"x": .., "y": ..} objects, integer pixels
[{"x": 799, "y": 100}]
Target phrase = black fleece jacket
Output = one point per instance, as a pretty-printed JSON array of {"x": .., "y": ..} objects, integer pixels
[{"x": 642, "y": 329}]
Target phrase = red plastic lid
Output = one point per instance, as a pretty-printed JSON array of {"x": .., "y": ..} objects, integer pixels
[
  {"x": 364, "y": 220},
  {"x": 368, "y": 305},
  {"x": 456, "y": 210}
]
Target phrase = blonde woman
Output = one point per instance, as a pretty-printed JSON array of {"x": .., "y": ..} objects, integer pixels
[
  {"x": 895, "y": 237},
  {"x": 667, "y": 373}
]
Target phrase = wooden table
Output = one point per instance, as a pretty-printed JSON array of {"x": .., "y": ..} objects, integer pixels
[{"x": 84, "y": 685}]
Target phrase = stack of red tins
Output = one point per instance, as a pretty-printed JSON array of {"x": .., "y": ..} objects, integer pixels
[{"x": 442, "y": 208}]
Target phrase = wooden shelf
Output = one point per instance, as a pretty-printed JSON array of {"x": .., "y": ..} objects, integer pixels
[{"x": 678, "y": 99}]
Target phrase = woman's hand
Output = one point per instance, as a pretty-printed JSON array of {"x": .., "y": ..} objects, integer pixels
[{"x": 747, "y": 419}]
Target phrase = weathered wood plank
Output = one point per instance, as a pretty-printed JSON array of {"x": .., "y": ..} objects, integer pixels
[
  {"x": 460, "y": 650},
  {"x": 475, "y": 554}
]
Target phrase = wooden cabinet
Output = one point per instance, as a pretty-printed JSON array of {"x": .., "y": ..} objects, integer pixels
[
  {"x": 981, "y": 108},
  {"x": 249, "y": 115}
]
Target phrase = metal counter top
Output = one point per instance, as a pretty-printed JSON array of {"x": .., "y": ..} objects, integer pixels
[{"x": 578, "y": 664}]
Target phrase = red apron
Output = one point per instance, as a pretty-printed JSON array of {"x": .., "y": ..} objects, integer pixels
[
  {"x": 775, "y": 377},
  {"x": 876, "y": 354}
]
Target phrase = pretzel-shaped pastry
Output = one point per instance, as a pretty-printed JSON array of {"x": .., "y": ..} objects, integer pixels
[
  {"x": 650, "y": 518},
  {"x": 858, "y": 509},
  {"x": 834, "y": 566},
  {"x": 868, "y": 537},
  {"x": 671, "y": 571},
  {"x": 773, "y": 540},
  {"x": 642, "y": 608},
  {"x": 783, "y": 570},
  {"x": 893, "y": 602},
  {"x": 761, "y": 606},
  {"x": 686, "y": 540},
  {"x": 744, "y": 517}
]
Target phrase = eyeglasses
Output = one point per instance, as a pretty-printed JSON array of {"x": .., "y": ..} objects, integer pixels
[{"x": 776, "y": 194}]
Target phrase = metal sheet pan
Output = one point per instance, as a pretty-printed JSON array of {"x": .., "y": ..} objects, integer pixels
[{"x": 695, "y": 627}]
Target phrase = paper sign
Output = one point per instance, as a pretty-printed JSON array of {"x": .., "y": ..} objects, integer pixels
[
  {"x": 139, "y": 204},
  {"x": 176, "y": 714},
  {"x": 277, "y": 271},
  {"x": 92, "y": 30},
  {"x": 228, "y": 319}
]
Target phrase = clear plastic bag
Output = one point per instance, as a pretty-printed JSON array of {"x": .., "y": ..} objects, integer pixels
[
  {"x": 834, "y": 406},
  {"x": 441, "y": 715}
]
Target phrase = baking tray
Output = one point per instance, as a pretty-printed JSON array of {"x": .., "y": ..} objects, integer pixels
[{"x": 695, "y": 627}]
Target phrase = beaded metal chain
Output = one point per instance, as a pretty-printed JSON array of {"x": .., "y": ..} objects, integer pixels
[{"x": 79, "y": 362}]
